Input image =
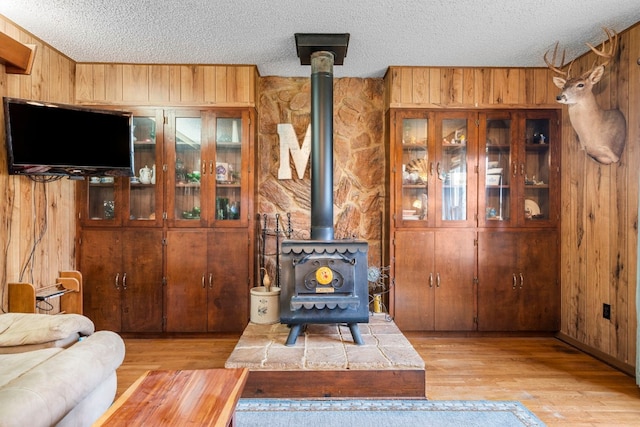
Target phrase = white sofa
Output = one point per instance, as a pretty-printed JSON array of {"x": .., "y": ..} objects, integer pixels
[{"x": 50, "y": 379}]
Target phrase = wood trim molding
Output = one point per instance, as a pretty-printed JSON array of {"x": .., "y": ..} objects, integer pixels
[
  {"x": 17, "y": 57},
  {"x": 600, "y": 355}
]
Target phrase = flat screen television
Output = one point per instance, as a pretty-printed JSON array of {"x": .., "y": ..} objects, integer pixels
[{"x": 56, "y": 139}]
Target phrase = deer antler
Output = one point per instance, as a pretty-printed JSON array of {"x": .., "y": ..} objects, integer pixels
[
  {"x": 603, "y": 52},
  {"x": 552, "y": 65},
  {"x": 613, "y": 46}
]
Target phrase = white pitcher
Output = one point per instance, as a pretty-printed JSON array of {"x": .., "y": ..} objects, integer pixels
[{"x": 145, "y": 175}]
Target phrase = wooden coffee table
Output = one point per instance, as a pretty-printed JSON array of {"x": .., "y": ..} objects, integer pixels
[{"x": 204, "y": 397}]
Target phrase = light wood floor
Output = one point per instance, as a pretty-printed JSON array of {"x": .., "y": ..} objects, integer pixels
[{"x": 561, "y": 385}]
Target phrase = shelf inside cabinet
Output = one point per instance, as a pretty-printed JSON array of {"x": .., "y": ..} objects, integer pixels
[
  {"x": 227, "y": 144},
  {"x": 536, "y": 147},
  {"x": 145, "y": 143},
  {"x": 537, "y": 187},
  {"x": 414, "y": 147}
]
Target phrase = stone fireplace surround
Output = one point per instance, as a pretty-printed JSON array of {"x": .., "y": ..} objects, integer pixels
[{"x": 325, "y": 362}]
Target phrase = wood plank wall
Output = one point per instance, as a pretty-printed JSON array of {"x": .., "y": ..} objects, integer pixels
[
  {"x": 166, "y": 85},
  {"x": 434, "y": 87},
  {"x": 600, "y": 218},
  {"x": 37, "y": 223}
]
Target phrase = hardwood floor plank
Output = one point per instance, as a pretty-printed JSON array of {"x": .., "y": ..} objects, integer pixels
[{"x": 560, "y": 384}]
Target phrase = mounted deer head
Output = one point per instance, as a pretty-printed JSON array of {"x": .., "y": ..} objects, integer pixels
[{"x": 602, "y": 133}]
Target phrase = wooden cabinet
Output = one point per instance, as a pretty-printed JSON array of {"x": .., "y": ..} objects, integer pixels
[
  {"x": 520, "y": 171},
  {"x": 435, "y": 280},
  {"x": 186, "y": 216},
  {"x": 207, "y": 280},
  {"x": 434, "y": 165},
  {"x": 456, "y": 175},
  {"x": 122, "y": 273},
  {"x": 518, "y": 286},
  {"x": 208, "y": 165},
  {"x": 136, "y": 201}
]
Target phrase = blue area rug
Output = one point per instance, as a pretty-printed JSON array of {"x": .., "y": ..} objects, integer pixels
[{"x": 377, "y": 412}]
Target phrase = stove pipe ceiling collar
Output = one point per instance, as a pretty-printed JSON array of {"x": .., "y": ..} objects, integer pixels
[{"x": 307, "y": 43}]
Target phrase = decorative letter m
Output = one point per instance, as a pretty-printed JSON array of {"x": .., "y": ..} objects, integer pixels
[{"x": 289, "y": 144}]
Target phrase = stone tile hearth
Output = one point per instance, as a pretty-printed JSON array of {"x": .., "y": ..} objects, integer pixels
[{"x": 325, "y": 347}]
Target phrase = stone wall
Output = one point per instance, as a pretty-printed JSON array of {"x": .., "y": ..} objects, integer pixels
[{"x": 359, "y": 161}]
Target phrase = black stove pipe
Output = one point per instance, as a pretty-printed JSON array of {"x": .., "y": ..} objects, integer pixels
[{"x": 322, "y": 145}]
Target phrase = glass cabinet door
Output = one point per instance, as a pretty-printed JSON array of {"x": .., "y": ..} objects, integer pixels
[
  {"x": 206, "y": 166},
  {"x": 145, "y": 189},
  {"x": 454, "y": 147},
  {"x": 416, "y": 170},
  {"x": 103, "y": 202},
  {"x": 496, "y": 169},
  {"x": 535, "y": 169},
  {"x": 228, "y": 167},
  {"x": 187, "y": 168}
]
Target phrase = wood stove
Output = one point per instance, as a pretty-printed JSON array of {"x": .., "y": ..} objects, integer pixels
[{"x": 322, "y": 280}]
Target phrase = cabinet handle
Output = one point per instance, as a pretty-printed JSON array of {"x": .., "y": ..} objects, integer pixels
[
  {"x": 431, "y": 168},
  {"x": 515, "y": 169},
  {"x": 437, "y": 280},
  {"x": 203, "y": 166},
  {"x": 210, "y": 167},
  {"x": 117, "y": 280},
  {"x": 438, "y": 171},
  {"x": 210, "y": 281},
  {"x": 124, "y": 281},
  {"x": 515, "y": 281},
  {"x": 431, "y": 280},
  {"x": 521, "y": 168},
  {"x": 203, "y": 285},
  {"x": 521, "y": 280}
]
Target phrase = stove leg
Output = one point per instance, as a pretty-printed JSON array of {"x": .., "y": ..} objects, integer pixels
[
  {"x": 355, "y": 333},
  {"x": 293, "y": 334}
]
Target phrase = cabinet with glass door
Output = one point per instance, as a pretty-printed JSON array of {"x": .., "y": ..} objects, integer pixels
[
  {"x": 539, "y": 169},
  {"x": 461, "y": 180},
  {"x": 437, "y": 186},
  {"x": 497, "y": 134},
  {"x": 107, "y": 201},
  {"x": 207, "y": 168},
  {"x": 520, "y": 169},
  {"x": 416, "y": 160}
]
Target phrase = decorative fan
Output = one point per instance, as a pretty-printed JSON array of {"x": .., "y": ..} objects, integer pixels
[{"x": 420, "y": 166}]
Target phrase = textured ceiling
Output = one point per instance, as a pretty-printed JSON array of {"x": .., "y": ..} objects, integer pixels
[{"x": 504, "y": 33}]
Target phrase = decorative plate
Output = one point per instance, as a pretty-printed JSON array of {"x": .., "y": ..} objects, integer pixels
[{"x": 531, "y": 207}]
